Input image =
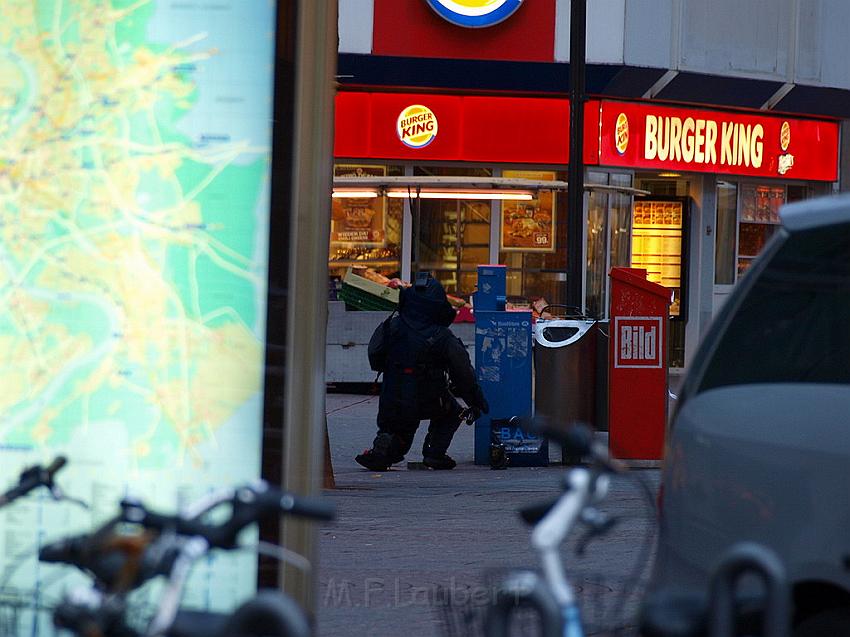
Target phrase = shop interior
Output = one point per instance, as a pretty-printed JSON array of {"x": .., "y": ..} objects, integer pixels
[{"x": 394, "y": 220}]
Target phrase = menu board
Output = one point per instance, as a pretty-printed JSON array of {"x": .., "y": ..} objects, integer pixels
[
  {"x": 657, "y": 244},
  {"x": 359, "y": 220},
  {"x": 529, "y": 226}
]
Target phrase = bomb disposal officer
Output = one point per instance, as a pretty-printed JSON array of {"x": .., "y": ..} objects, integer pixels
[{"x": 420, "y": 359}]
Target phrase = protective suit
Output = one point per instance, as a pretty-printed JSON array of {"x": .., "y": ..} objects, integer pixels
[{"x": 420, "y": 359}]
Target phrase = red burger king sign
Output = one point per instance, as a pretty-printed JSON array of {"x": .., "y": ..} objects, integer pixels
[
  {"x": 662, "y": 137},
  {"x": 416, "y": 126}
]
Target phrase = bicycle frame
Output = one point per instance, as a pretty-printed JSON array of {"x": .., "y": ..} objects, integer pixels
[{"x": 552, "y": 595}]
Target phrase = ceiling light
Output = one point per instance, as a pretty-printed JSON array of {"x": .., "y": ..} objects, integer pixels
[
  {"x": 354, "y": 194},
  {"x": 513, "y": 195}
]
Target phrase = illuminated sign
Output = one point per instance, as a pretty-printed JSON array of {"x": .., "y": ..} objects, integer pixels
[
  {"x": 417, "y": 126},
  {"x": 668, "y": 138},
  {"x": 474, "y": 13},
  {"x": 786, "y": 161},
  {"x": 621, "y": 140}
]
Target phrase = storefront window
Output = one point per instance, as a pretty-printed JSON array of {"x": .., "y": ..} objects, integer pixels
[
  {"x": 365, "y": 231},
  {"x": 452, "y": 236},
  {"x": 725, "y": 233},
  {"x": 533, "y": 242},
  {"x": 759, "y": 220}
]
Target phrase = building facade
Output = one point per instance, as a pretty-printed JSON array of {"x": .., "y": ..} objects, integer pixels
[{"x": 701, "y": 120}]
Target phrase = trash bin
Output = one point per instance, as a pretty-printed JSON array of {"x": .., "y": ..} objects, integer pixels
[
  {"x": 600, "y": 417},
  {"x": 565, "y": 370}
]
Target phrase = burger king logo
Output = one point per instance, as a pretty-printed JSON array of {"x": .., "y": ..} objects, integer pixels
[
  {"x": 786, "y": 160},
  {"x": 785, "y": 136},
  {"x": 416, "y": 126},
  {"x": 474, "y": 13},
  {"x": 621, "y": 140}
]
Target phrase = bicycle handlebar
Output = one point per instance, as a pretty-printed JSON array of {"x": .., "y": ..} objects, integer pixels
[
  {"x": 118, "y": 563},
  {"x": 250, "y": 504},
  {"x": 33, "y": 477},
  {"x": 121, "y": 562}
]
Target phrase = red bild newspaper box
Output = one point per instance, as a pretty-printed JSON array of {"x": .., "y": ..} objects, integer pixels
[{"x": 637, "y": 391}]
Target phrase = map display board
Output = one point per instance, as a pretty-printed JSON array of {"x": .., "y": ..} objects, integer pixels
[{"x": 135, "y": 146}]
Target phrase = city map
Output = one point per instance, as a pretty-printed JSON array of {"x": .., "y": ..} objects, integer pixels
[{"x": 135, "y": 144}]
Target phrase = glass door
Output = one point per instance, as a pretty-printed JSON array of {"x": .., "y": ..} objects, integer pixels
[
  {"x": 452, "y": 239},
  {"x": 608, "y": 230}
]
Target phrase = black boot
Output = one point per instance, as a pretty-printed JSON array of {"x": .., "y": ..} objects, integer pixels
[
  {"x": 372, "y": 460},
  {"x": 386, "y": 450},
  {"x": 441, "y": 462},
  {"x": 434, "y": 454}
]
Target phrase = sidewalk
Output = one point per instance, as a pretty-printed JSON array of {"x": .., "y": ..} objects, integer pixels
[{"x": 403, "y": 536}]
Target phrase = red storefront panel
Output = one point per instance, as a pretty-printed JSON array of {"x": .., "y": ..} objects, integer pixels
[
  {"x": 638, "y": 135},
  {"x": 352, "y": 123},
  {"x": 522, "y": 130},
  {"x": 411, "y": 28},
  {"x": 491, "y": 129}
]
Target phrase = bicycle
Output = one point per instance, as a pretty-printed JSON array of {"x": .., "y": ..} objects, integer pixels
[
  {"x": 139, "y": 545},
  {"x": 667, "y": 614},
  {"x": 551, "y": 595}
]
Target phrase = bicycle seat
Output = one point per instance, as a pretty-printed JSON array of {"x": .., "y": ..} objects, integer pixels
[
  {"x": 674, "y": 614},
  {"x": 267, "y": 613},
  {"x": 196, "y": 623},
  {"x": 533, "y": 513}
]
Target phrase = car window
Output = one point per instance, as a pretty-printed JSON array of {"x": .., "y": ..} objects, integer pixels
[{"x": 794, "y": 324}]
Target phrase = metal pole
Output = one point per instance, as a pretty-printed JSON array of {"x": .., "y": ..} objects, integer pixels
[
  {"x": 312, "y": 163},
  {"x": 417, "y": 228},
  {"x": 575, "y": 194}
]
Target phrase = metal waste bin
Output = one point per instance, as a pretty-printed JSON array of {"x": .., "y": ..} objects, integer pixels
[
  {"x": 565, "y": 370},
  {"x": 600, "y": 418}
]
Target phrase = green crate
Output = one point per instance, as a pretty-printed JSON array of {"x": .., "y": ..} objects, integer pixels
[{"x": 362, "y": 300}]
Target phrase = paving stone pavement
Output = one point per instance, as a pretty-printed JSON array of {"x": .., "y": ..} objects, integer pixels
[{"x": 406, "y": 542}]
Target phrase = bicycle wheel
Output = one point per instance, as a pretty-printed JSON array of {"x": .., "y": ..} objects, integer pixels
[{"x": 267, "y": 614}]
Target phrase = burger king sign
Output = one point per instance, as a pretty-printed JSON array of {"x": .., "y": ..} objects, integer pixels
[
  {"x": 416, "y": 126},
  {"x": 474, "y": 13}
]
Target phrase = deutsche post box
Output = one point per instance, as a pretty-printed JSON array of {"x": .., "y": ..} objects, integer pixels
[
  {"x": 503, "y": 365},
  {"x": 637, "y": 394},
  {"x": 492, "y": 283}
]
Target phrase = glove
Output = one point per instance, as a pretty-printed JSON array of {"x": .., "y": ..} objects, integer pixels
[{"x": 481, "y": 405}]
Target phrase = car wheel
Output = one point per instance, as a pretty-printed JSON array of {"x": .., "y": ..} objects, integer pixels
[{"x": 829, "y": 623}]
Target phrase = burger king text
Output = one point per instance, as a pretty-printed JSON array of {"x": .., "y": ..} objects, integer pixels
[
  {"x": 416, "y": 125},
  {"x": 696, "y": 141}
]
